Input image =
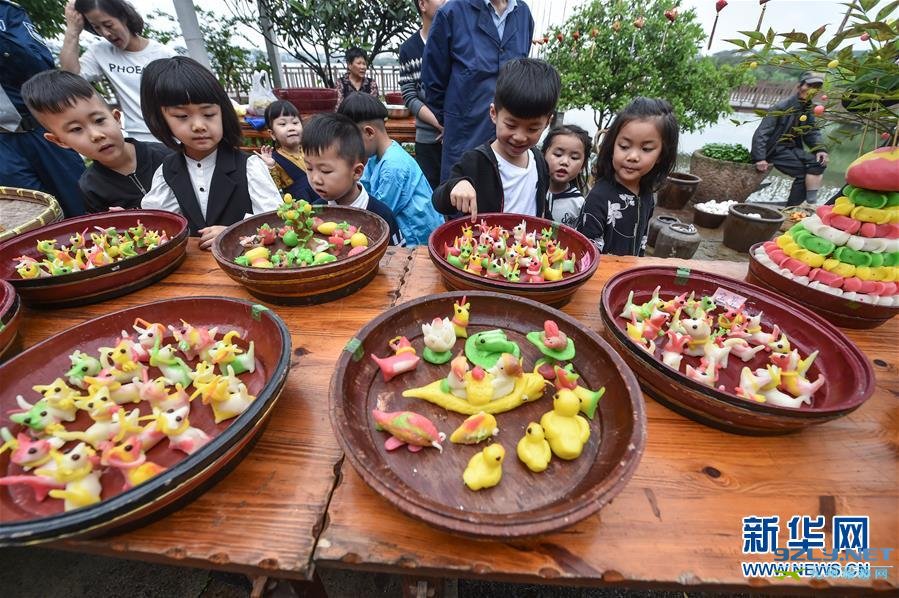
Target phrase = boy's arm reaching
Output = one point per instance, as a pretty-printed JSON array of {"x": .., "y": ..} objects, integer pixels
[{"x": 462, "y": 172}]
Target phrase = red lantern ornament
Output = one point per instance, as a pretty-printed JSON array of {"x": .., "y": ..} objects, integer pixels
[
  {"x": 576, "y": 35},
  {"x": 671, "y": 14},
  {"x": 719, "y": 6},
  {"x": 639, "y": 22},
  {"x": 560, "y": 37}
]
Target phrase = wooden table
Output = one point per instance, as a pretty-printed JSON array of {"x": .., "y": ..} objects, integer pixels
[
  {"x": 264, "y": 517},
  {"x": 678, "y": 522}
]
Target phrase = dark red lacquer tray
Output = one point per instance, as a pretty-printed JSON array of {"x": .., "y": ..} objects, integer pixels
[
  {"x": 24, "y": 520},
  {"x": 428, "y": 485},
  {"x": 312, "y": 284},
  {"x": 10, "y": 311},
  {"x": 104, "y": 282},
  {"x": 555, "y": 293},
  {"x": 840, "y": 311},
  {"x": 848, "y": 373}
]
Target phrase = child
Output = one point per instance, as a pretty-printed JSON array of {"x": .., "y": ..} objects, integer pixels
[
  {"x": 635, "y": 156},
  {"x": 286, "y": 163},
  {"x": 391, "y": 174},
  {"x": 334, "y": 161},
  {"x": 567, "y": 152},
  {"x": 509, "y": 174},
  {"x": 76, "y": 117},
  {"x": 208, "y": 179}
]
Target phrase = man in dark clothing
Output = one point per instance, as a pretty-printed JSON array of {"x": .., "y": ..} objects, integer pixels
[
  {"x": 26, "y": 158},
  {"x": 428, "y": 148},
  {"x": 782, "y": 138}
]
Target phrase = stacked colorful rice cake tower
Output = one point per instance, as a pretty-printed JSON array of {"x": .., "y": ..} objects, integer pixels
[{"x": 849, "y": 249}]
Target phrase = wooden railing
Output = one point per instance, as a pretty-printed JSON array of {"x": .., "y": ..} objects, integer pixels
[
  {"x": 761, "y": 96},
  {"x": 299, "y": 75}
]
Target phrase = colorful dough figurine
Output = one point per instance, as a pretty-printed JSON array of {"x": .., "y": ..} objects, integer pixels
[
  {"x": 485, "y": 348},
  {"x": 409, "y": 428},
  {"x": 175, "y": 424},
  {"x": 485, "y": 469},
  {"x": 76, "y": 470},
  {"x": 566, "y": 431},
  {"x": 28, "y": 452},
  {"x": 129, "y": 457},
  {"x": 555, "y": 345},
  {"x": 533, "y": 449},
  {"x": 82, "y": 365},
  {"x": 60, "y": 399},
  {"x": 566, "y": 378},
  {"x": 461, "y": 309},
  {"x": 171, "y": 366},
  {"x": 225, "y": 353},
  {"x": 469, "y": 392},
  {"x": 475, "y": 429},
  {"x": 403, "y": 360},
  {"x": 439, "y": 338}
]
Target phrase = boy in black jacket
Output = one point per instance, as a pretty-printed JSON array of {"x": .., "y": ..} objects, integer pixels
[
  {"x": 76, "y": 117},
  {"x": 509, "y": 174}
]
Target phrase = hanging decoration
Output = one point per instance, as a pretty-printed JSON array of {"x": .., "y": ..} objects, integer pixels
[
  {"x": 719, "y": 6},
  {"x": 639, "y": 22},
  {"x": 764, "y": 5},
  {"x": 671, "y": 15}
]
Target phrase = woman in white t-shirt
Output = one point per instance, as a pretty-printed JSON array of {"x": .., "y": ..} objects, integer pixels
[{"x": 120, "y": 57}]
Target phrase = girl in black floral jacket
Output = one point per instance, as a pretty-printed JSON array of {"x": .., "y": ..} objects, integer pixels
[{"x": 636, "y": 155}]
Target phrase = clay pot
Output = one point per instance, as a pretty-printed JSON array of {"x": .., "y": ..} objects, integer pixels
[
  {"x": 309, "y": 100},
  {"x": 707, "y": 219},
  {"x": 656, "y": 224},
  {"x": 742, "y": 231},
  {"x": 724, "y": 180},
  {"x": 678, "y": 189},
  {"x": 677, "y": 240}
]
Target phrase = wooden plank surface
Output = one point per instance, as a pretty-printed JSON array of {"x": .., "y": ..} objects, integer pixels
[
  {"x": 264, "y": 517},
  {"x": 678, "y": 522}
]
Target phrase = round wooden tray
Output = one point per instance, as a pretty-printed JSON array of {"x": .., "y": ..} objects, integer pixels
[
  {"x": 428, "y": 485},
  {"x": 104, "y": 282},
  {"x": 10, "y": 312},
  {"x": 837, "y": 310},
  {"x": 849, "y": 376},
  {"x": 23, "y": 520},
  {"x": 313, "y": 284},
  {"x": 556, "y": 293},
  {"x": 22, "y": 210}
]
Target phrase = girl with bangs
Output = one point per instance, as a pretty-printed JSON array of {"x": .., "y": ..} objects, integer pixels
[{"x": 208, "y": 179}]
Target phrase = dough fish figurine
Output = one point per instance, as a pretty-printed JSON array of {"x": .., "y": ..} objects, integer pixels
[
  {"x": 409, "y": 428},
  {"x": 475, "y": 429}
]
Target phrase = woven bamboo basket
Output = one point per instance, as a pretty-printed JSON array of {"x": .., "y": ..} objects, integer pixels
[{"x": 24, "y": 209}]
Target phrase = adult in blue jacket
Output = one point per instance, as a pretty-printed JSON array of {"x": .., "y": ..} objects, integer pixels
[
  {"x": 26, "y": 158},
  {"x": 468, "y": 43}
]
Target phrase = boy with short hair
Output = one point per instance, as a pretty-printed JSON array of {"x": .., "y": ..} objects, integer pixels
[
  {"x": 391, "y": 174},
  {"x": 509, "y": 174},
  {"x": 335, "y": 156},
  {"x": 76, "y": 117}
]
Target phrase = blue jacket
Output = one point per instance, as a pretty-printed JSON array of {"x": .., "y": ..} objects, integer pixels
[
  {"x": 23, "y": 52},
  {"x": 397, "y": 180},
  {"x": 461, "y": 61}
]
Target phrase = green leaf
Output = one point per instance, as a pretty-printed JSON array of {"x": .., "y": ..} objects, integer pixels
[
  {"x": 887, "y": 10},
  {"x": 868, "y": 4}
]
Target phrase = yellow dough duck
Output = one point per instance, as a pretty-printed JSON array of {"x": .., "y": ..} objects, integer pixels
[
  {"x": 566, "y": 431},
  {"x": 469, "y": 392},
  {"x": 485, "y": 469},
  {"x": 533, "y": 449}
]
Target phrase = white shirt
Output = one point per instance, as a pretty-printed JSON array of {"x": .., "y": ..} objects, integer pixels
[
  {"x": 124, "y": 69},
  {"x": 361, "y": 200},
  {"x": 264, "y": 195},
  {"x": 519, "y": 186}
]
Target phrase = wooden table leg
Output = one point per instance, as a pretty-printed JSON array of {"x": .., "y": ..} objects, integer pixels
[{"x": 423, "y": 587}]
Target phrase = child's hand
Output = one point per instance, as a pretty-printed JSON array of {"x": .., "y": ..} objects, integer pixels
[
  {"x": 208, "y": 235},
  {"x": 465, "y": 199},
  {"x": 265, "y": 152},
  {"x": 74, "y": 20}
]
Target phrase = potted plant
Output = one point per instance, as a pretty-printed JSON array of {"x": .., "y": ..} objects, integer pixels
[{"x": 726, "y": 172}]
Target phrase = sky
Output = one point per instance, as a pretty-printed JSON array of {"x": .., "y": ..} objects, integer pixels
[{"x": 782, "y": 15}]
